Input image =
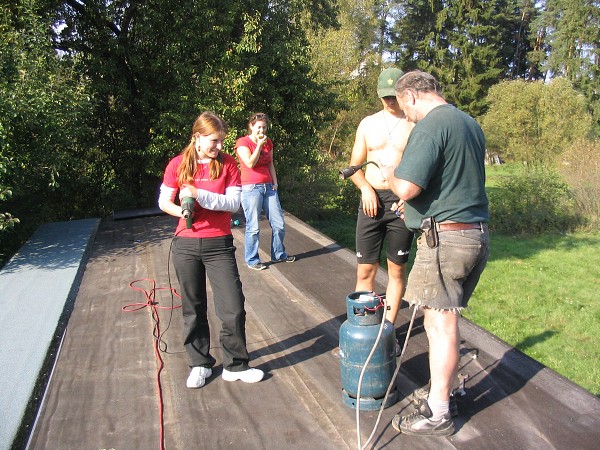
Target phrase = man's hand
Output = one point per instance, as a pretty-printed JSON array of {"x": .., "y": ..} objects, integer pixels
[
  {"x": 369, "y": 201},
  {"x": 398, "y": 208}
]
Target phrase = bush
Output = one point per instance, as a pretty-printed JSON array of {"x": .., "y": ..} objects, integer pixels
[
  {"x": 534, "y": 201},
  {"x": 543, "y": 122},
  {"x": 315, "y": 192},
  {"x": 580, "y": 166}
]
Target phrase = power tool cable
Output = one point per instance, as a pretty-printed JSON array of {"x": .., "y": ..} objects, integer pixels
[{"x": 151, "y": 302}]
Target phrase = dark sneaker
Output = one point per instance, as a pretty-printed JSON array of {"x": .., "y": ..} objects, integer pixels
[
  {"x": 287, "y": 259},
  {"x": 257, "y": 266},
  {"x": 419, "y": 423},
  {"x": 422, "y": 393}
]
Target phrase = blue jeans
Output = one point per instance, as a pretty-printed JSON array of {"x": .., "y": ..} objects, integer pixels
[{"x": 255, "y": 199}]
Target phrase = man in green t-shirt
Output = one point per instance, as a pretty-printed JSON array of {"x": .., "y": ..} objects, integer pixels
[{"x": 441, "y": 178}]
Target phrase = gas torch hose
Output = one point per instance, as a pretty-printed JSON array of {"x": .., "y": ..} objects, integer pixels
[{"x": 392, "y": 382}]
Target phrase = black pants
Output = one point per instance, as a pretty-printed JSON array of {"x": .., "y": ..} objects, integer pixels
[{"x": 194, "y": 259}]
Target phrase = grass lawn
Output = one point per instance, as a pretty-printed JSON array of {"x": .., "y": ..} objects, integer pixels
[{"x": 538, "y": 294}]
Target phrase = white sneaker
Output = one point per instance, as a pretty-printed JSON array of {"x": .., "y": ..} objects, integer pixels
[
  {"x": 198, "y": 377},
  {"x": 247, "y": 376}
]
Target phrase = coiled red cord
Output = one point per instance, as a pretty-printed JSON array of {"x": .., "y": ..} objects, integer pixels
[{"x": 151, "y": 302}]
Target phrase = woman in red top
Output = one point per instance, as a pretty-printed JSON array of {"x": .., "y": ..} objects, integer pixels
[
  {"x": 212, "y": 179},
  {"x": 259, "y": 192}
]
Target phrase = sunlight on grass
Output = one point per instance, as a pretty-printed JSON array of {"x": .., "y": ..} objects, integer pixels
[
  {"x": 494, "y": 173},
  {"x": 540, "y": 295}
]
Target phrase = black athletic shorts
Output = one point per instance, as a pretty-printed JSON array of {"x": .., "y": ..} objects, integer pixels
[{"x": 371, "y": 232}]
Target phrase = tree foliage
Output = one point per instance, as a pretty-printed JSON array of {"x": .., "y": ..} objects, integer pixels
[
  {"x": 580, "y": 166},
  {"x": 467, "y": 44},
  {"x": 43, "y": 139},
  {"x": 345, "y": 60},
  {"x": 533, "y": 201},
  {"x": 572, "y": 36},
  {"x": 151, "y": 80},
  {"x": 534, "y": 122},
  {"x": 97, "y": 95}
]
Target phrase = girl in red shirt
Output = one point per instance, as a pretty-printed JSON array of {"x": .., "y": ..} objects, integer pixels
[
  {"x": 212, "y": 179},
  {"x": 259, "y": 192}
]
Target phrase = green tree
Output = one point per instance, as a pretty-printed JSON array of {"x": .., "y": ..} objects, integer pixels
[
  {"x": 520, "y": 66},
  {"x": 572, "y": 38},
  {"x": 467, "y": 44},
  {"x": 7, "y": 221},
  {"x": 151, "y": 80},
  {"x": 43, "y": 103},
  {"x": 347, "y": 60},
  {"x": 534, "y": 121}
]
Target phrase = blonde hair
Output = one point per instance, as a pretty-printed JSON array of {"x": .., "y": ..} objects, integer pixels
[{"x": 205, "y": 124}]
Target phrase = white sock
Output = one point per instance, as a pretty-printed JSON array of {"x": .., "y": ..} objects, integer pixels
[{"x": 438, "y": 409}]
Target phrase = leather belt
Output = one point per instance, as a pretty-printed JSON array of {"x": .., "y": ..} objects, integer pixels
[{"x": 457, "y": 226}]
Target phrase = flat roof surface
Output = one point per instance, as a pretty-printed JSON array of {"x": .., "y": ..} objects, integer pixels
[
  {"x": 36, "y": 286},
  {"x": 107, "y": 386}
]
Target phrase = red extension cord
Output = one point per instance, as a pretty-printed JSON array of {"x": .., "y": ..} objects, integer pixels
[{"x": 151, "y": 302}]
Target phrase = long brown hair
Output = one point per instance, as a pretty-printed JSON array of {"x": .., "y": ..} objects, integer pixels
[{"x": 205, "y": 124}]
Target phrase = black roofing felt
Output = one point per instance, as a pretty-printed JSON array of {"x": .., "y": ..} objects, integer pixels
[{"x": 104, "y": 390}]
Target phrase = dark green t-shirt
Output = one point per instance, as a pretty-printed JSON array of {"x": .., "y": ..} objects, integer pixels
[{"x": 445, "y": 156}]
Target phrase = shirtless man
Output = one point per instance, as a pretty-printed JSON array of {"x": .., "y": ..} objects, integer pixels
[{"x": 381, "y": 138}]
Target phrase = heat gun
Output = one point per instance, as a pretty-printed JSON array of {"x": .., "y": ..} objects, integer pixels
[
  {"x": 187, "y": 208},
  {"x": 351, "y": 170}
]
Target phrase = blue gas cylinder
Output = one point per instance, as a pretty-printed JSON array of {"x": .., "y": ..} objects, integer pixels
[{"x": 358, "y": 335}]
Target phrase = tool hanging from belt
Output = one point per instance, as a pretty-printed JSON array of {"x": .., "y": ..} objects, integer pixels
[{"x": 430, "y": 228}]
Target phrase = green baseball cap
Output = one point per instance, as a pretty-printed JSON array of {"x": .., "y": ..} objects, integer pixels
[{"x": 386, "y": 83}]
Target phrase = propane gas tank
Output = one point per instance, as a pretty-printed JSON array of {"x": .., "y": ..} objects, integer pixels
[{"x": 358, "y": 335}]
